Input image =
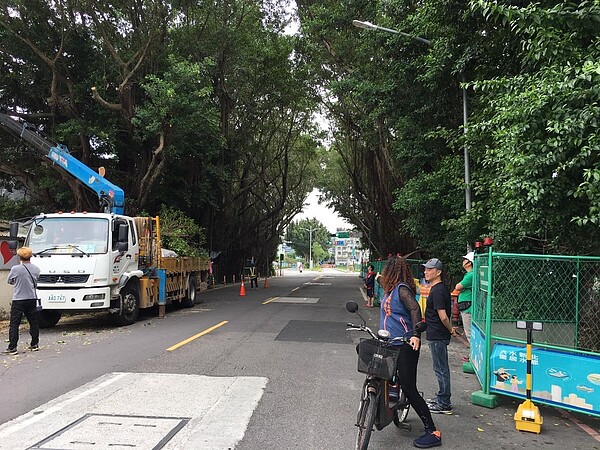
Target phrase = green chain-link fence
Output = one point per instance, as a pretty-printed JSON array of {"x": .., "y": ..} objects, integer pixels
[{"x": 561, "y": 292}]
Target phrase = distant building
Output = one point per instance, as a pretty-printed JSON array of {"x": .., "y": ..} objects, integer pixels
[{"x": 346, "y": 248}]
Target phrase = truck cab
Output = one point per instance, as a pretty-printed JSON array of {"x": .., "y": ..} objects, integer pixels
[{"x": 86, "y": 260}]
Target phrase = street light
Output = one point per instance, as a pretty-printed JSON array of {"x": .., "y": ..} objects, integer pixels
[
  {"x": 371, "y": 26},
  {"x": 310, "y": 231}
]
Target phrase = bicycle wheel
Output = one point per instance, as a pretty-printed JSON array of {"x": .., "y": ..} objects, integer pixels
[
  {"x": 402, "y": 411},
  {"x": 401, "y": 415},
  {"x": 366, "y": 419}
]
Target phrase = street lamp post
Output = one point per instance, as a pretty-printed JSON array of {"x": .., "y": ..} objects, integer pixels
[
  {"x": 371, "y": 26},
  {"x": 466, "y": 152},
  {"x": 310, "y": 231}
]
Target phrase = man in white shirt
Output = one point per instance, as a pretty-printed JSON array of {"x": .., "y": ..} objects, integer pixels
[{"x": 24, "y": 301}]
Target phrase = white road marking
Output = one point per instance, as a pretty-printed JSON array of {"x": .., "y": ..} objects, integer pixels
[
  {"x": 295, "y": 300},
  {"x": 218, "y": 409},
  {"x": 35, "y": 416},
  {"x": 363, "y": 292}
]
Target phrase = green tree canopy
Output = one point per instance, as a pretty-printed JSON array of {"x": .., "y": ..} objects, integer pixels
[
  {"x": 537, "y": 131},
  {"x": 303, "y": 233},
  {"x": 395, "y": 166},
  {"x": 204, "y": 107},
  {"x": 209, "y": 108}
]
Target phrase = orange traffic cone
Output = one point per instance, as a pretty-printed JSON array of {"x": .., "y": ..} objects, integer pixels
[
  {"x": 266, "y": 282},
  {"x": 242, "y": 289}
]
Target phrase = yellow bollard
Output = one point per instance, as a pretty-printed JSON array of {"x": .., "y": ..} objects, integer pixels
[{"x": 527, "y": 417}]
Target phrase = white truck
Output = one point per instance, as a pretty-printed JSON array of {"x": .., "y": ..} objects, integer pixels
[
  {"x": 93, "y": 262},
  {"x": 100, "y": 261}
]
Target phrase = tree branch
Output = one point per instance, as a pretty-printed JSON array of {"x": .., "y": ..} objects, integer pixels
[
  {"x": 155, "y": 169},
  {"x": 112, "y": 106}
]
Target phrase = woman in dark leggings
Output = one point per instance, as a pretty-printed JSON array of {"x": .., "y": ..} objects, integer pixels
[{"x": 399, "y": 314}]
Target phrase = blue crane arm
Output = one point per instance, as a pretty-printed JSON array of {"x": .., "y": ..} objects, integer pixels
[{"x": 111, "y": 197}]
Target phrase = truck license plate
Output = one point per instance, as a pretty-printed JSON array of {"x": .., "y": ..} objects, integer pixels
[{"x": 57, "y": 298}]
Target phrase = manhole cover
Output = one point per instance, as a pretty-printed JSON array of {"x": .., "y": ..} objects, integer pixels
[{"x": 106, "y": 431}]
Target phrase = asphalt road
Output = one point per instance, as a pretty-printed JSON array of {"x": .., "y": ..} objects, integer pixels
[{"x": 274, "y": 369}]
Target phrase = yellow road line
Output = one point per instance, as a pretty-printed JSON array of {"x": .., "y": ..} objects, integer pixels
[
  {"x": 270, "y": 300},
  {"x": 196, "y": 336}
]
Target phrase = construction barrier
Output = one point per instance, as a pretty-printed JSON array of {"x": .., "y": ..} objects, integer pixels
[{"x": 560, "y": 292}]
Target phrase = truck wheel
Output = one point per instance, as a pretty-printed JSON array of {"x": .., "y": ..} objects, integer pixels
[
  {"x": 47, "y": 318},
  {"x": 131, "y": 307},
  {"x": 190, "y": 299}
]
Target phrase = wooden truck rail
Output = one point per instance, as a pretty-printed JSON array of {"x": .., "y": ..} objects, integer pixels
[
  {"x": 183, "y": 263},
  {"x": 179, "y": 268},
  {"x": 185, "y": 275}
]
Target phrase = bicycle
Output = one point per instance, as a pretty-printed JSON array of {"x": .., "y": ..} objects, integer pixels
[{"x": 377, "y": 359}]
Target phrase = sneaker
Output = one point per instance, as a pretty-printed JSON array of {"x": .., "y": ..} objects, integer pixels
[
  {"x": 10, "y": 351},
  {"x": 436, "y": 408},
  {"x": 429, "y": 440},
  {"x": 33, "y": 348},
  {"x": 431, "y": 401}
]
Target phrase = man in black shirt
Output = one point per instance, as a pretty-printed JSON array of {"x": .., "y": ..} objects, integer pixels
[{"x": 439, "y": 329}]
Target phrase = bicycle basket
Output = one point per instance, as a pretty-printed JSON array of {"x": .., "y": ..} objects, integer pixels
[{"x": 376, "y": 361}]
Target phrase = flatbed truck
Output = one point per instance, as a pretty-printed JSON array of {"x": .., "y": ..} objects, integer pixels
[{"x": 101, "y": 261}]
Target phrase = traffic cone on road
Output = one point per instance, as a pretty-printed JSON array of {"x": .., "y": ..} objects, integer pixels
[
  {"x": 266, "y": 282},
  {"x": 242, "y": 289}
]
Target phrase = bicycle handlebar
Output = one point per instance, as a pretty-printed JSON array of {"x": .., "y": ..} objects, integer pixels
[{"x": 366, "y": 329}]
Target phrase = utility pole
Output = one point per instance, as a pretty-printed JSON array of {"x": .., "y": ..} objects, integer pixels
[{"x": 310, "y": 231}]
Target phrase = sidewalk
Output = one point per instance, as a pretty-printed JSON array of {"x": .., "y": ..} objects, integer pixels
[
  {"x": 476, "y": 427},
  {"x": 486, "y": 428}
]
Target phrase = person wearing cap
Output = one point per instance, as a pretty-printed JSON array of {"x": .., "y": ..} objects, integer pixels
[
  {"x": 24, "y": 301},
  {"x": 399, "y": 314},
  {"x": 438, "y": 312},
  {"x": 464, "y": 296}
]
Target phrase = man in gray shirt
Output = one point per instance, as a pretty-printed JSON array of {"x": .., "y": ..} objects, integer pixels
[{"x": 24, "y": 279}]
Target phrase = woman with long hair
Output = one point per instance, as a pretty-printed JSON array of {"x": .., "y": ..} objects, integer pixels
[{"x": 399, "y": 314}]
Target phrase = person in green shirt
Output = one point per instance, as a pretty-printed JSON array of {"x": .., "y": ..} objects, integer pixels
[{"x": 464, "y": 295}]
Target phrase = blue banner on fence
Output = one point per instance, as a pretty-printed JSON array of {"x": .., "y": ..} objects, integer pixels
[
  {"x": 558, "y": 378},
  {"x": 478, "y": 352}
]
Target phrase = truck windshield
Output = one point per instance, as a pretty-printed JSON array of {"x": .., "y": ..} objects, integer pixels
[{"x": 59, "y": 235}]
